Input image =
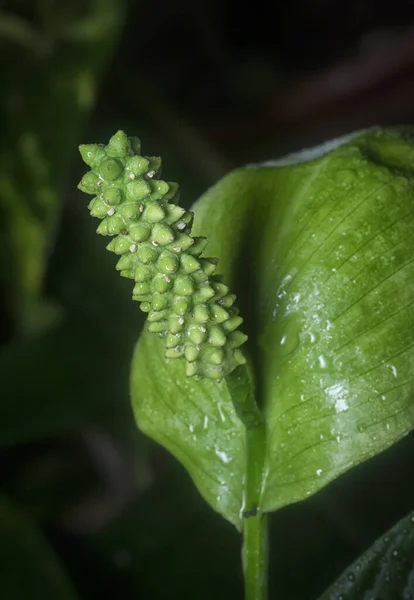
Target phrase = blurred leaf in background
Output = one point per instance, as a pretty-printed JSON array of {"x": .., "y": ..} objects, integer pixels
[
  {"x": 52, "y": 55},
  {"x": 39, "y": 574},
  {"x": 384, "y": 571}
]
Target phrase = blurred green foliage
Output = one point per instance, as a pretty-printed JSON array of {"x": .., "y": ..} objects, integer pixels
[
  {"x": 39, "y": 573},
  {"x": 51, "y": 60}
]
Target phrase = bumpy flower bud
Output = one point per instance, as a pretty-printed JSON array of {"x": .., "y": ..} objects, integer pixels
[{"x": 186, "y": 304}]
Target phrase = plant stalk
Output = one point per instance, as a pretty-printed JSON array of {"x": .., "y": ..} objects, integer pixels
[
  {"x": 255, "y": 536},
  {"x": 240, "y": 385},
  {"x": 255, "y": 557}
]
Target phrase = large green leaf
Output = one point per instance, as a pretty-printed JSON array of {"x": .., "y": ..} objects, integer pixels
[
  {"x": 319, "y": 251},
  {"x": 385, "y": 571},
  {"x": 196, "y": 421},
  {"x": 28, "y": 566}
]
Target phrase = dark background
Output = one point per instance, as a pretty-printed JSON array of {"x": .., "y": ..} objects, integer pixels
[{"x": 208, "y": 85}]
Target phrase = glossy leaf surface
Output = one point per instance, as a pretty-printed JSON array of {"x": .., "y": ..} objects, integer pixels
[
  {"x": 319, "y": 253},
  {"x": 195, "y": 420},
  {"x": 385, "y": 571}
]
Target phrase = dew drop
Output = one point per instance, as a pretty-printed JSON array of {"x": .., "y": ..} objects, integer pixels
[
  {"x": 319, "y": 472},
  {"x": 368, "y": 227},
  {"x": 222, "y": 456},
  {"x": 289, "y": 341},
  {"x": 393, "y": 370},
  {"x": 322, "y": 362},
  {"x": 220, "y": 410},
  {"x": 339, "y": 394}
]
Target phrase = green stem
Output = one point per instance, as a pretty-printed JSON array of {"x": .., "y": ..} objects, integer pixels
[
  {"x": 255, "y": 556},
  {"x": 255, "y": 546},
  {"x": 240, "y": 385}
]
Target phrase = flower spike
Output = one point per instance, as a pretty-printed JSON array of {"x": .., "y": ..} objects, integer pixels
[{"x": 187, "y": 305}]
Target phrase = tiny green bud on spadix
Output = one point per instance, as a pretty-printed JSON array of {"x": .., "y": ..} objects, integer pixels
[
  {"x": 92, "y": 154},
  {"x": 187, "y": 304}
]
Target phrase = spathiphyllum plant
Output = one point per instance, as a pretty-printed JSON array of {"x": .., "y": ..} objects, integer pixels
[{"x": 313, "y": 260}]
